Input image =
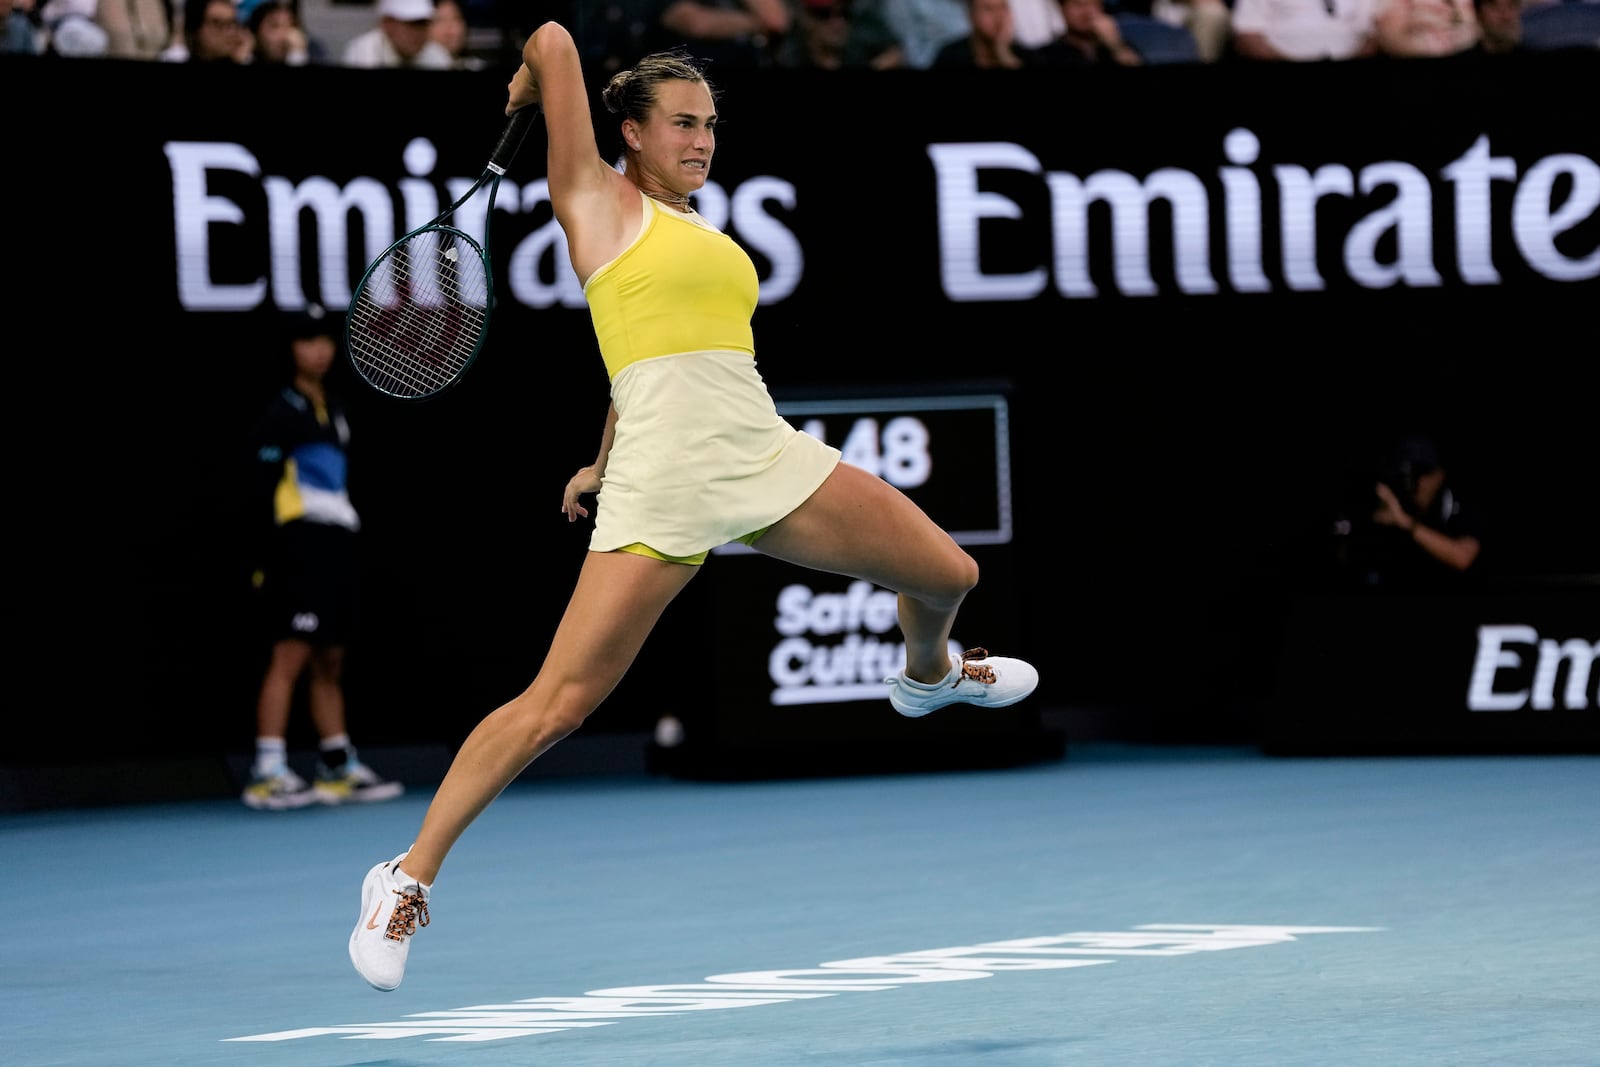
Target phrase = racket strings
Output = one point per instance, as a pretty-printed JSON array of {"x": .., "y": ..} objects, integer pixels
[{"x": 420, "y": 315}]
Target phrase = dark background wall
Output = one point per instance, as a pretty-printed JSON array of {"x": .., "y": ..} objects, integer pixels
[{"x": 1176, "y": 457}]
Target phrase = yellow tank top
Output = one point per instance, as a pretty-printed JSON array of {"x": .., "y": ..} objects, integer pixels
[{"x": 682, "y": 286}]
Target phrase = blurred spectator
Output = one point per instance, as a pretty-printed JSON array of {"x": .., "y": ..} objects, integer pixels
[
  {"x": 278, "y": 35},
  {"x": 1413, "y": 533},
  {"x": 725, "y": 33},
  {"x": 1210, "y": 22},
  {"x": 400, "y": 39},
  {"x": 617, "y": 34},
  {"x": 212, "y": 33},
  {"x": 449, "y": 28},
  {"x": 134, "y": 29},
  {"x": 1091, "y": 36},
  {"x": 1301, "y": 31},
  {"x": 1425, "y": 28},
  {"x": 1554, "y": 25},
  {"x": 990, "y": 42},
  {"x": 1500, "y": 23},
  {"x": 72, "y": 29},
  {"x": 921, "y": 27},
  {"x": 827, "y": 35},
  {"x": 137, "y": 29},
  {"x": 1038, "y": 22},
  {"x": 23, "y": 35}
]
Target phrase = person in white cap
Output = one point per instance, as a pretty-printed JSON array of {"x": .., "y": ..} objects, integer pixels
[
  {"x": 70, "y": 29},
  {"x": 400, "y": 39}
]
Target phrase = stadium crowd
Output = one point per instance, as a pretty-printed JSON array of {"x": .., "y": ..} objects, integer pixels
[{"x": 822, "y": 34}]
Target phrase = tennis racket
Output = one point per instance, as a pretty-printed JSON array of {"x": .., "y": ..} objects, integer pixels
[{"x": 420, "y": 313}]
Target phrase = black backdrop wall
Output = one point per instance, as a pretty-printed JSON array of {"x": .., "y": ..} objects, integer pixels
[{"x": 1210, "y": 292}]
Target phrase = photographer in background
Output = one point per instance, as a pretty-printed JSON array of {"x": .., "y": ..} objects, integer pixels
[{"x": 1419, "y": 536}]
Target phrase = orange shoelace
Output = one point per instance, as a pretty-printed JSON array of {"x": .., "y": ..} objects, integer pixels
[
  {"x": 410, "y": 913},
  {"x": 978, "y": 672}
]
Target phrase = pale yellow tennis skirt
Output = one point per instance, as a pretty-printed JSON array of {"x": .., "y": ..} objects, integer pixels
[{"x": 700, "y": 458}]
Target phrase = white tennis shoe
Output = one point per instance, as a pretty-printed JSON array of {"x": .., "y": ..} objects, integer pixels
[
  {"x": 393, "y": 906},
  {"x": 979, "y": 678}
]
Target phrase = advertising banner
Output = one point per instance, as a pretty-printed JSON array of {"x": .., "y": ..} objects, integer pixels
[
  {"x": 1513, "y": 671},
  {"x": 1189, "y": 284}
]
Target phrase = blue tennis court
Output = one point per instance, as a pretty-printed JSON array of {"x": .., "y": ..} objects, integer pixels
[{"x": 1123, "y": 905}]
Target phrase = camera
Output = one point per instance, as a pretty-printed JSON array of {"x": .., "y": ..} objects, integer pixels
[{"x": 1401, "y": 476}]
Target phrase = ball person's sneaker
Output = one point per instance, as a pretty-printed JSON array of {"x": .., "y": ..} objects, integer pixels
[
  {"x": 277, "y": 790},
  {"x": 979, "y": 678},
  {"x": 393, "y": 906},
  {"x": 353, "y": 783}
]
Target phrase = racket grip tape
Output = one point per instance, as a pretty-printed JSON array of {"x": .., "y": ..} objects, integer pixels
[{"x": 511, "y": 137}]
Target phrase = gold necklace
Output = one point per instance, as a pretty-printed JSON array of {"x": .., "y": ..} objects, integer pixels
[{"x": 681, "y": 203}]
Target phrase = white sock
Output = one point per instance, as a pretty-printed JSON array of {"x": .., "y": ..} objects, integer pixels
[
  {"x": 927, "y": 686},
  {"x": 405, "y": 879},
  {"x": 272, "y": 754}
]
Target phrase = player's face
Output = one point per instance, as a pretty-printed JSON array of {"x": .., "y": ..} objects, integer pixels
[{"x": 680, "y": 137}]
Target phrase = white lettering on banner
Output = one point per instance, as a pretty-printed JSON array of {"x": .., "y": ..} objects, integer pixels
[
  {"x": 1392, "y": 243},
  {"x": 1556, "y": 194},
  {"x": 870, "y": 974},
  {"x": 540, "y": 274},
  {"x": 802, "y": 610},
  {"x": 851, "y": 668},
  {"x": 194, "y": 212},
  {"x": 962, "y": 206},
  {"x": 1493, "y": 657}
]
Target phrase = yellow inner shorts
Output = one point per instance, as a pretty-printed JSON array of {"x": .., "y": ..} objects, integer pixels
[{"x": 639, "y": 548}]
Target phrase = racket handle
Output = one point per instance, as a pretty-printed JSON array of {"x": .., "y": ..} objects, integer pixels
[{"x": 511, "y": 137}]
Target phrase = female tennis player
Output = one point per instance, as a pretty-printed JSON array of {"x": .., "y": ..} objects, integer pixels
[{"x": 693, "y": 455}]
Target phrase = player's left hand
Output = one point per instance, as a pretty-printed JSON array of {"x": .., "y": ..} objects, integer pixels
[{"x": 585, "y": 481}]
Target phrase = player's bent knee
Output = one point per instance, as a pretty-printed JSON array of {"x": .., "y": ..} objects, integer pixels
[
  {"x": 947, "y": 584},
  {"x": 962, "y": 575}
]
